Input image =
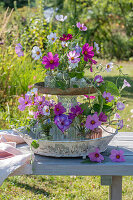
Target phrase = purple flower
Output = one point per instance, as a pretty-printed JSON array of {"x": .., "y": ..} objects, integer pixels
[
  {"x": 73, "y": 57},
  {"x": 59, "y": 109},
  {"x": 24, "y": 102},
  {"x": 120, "y": 124},
  {"x": 102, "y": 117},
  {"x": 125, "y": 84},
  {"x": 96, "y": 156},
  {"x": 78, "y": 49},
  {"x": 36, "y": 114},
  {"x": 92, "y": 122},
  {"x": 117, "y": 116},
  {"x": 107, "y": 96},
  {"x": 117, "y": 156},
  {"x": 62, "y": 121},
  {"x": 98, "y": 79},
  {"x": 81, "y": 26},
  {"x": 19, "y": 50},
  {"x": 75, "y": 111},
  {"x": 120, "y": 106},
  {"x": 39, "y": 100},
  {"x": 66, "y": 37},
  {"x": 50, "y": 61}
]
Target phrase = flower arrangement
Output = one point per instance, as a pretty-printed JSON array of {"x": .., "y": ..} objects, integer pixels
[{"x": 65, "y": 60}]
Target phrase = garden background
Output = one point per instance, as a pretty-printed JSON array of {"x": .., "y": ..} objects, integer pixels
[{"x": 110, "y": 24}]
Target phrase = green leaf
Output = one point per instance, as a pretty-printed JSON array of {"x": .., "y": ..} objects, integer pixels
[
  {"x": 106, "y": 108},
  {"x": 109, "y": 86},
  {"x": 96, "y": 107},
  {"x": 85, "y": 107},
  {"x": 34, "y": 144},
  {"x": 61, "y": 84}
]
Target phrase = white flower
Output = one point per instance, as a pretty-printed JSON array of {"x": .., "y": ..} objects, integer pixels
[
  {"x": 52, "y": 37},
  {"x": 46, "y": 110},
  {"x": 36, "y": 53},
  {"x": 64, "y": 44},
  {"x": 48, "y": 14},
  {"x": 60, "y": 18},
  {"x": 72, "y": 65},
  {"x": 97, "y": 47},
  {"x": 32, "y": 92},
  {"x": 109, "y": 67},
  {"x": 131, "y": 110}
]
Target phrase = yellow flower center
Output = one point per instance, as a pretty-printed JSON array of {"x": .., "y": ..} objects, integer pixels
[
  {"x": 26, "y": 102},
  {"x": 47, "y": 110},
  {"x": 81, "y": 27},
  {"x": 107, "y": 98},
  {"x": 96, "y": 155},
  {"x": 33, "y": 103},
  {"x": 40, "y": 103},
  {"x": 72, "y": 58},
  {"x": 51, "y": 61},
  {"x": 53, "y": 39},
  {"x": 92, "y": 122},
  {"x": 86, "y": 53},
  {"x": 38, "y": 52},
  {"x": 117, "y": 156},
  {"x": 108, "y": 66},
  {"x": 57, "y": 109}
]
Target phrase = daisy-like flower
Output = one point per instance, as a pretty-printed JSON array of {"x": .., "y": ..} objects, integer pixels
[
  {"x": 59, "y": 109},
  {"x": 32, "y": 92},
  {"x": 125, "y": 84},
  {"x": 117, "y": 156},
  {"x": 66, "y": 37},
  {"x": 81, "y": 27},
  {"x": 46, "y": 110},
  {"x": 120, "y": 106},
  {"x": 109, "y": 67},
  {"x": 96, "y": 156},
  {"x": 60, "y": 18},
  {"x": 24, "y": 102},
  {"x": 87, "y": 52},
  {"x": 19, "y": 50},
  {"x": 36, "y": 53},
  {"x": 107, "y": 96},
  {"x": 97, "y": 47},
  {"x": 50, "y": 61},
  {"x": 52, "y": 37},
  {"x": 120, "y": 124},
  {"x": 92, "y": 122},
  {"x": 39, "y": 101},
  {"x": 64, "y": 44},
  {"x": 62, "y": 121},
  {"x": 73, "y": 57},
  {"x": 98, "y": 79}
]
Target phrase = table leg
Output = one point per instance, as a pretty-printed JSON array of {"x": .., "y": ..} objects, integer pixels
[{"x": 115, "y": 189}]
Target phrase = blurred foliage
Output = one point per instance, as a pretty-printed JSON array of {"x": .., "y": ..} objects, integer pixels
[{"x": 20, "y": 3}]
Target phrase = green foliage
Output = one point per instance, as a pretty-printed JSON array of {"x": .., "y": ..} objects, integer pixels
[
  {"x": 35, "y": 144},
  {"x": 85, "y": 107},
  {"x": 109, "y": 86}
]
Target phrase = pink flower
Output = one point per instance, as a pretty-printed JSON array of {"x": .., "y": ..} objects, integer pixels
[
  {"x": 92, "y": 122},
  {"x": 107, "y": 96},
  {"x": 39, "y": 101},
  {"x": 30, "y": 86},
  {"x": 120, "y": 106},
  {"x": 66, "y": 37},
  {"x": 92, "y": 97},
  {"x": 96, "y": 156},
  {"x": 34, "y": 77},
  {"x": 125, "y": 84},
  {"x": 59, "y": 109},
  {"x": 117, "y": 156},
  {"x": 98, "y": 79},
  {"x": 24, "y": 102},
  {"x": 81, "y": 26},
  {"x": 86, "y": 96},
  {"x": 50, "y": 61},
  {"x": 36, "y": 114},
  {"x": 73, "y": 56}
]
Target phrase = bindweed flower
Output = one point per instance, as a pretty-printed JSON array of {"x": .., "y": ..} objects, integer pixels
[
  {"x": 117, "y": 156},
  {"x": 19, "y": 50},
  {"x": 59, "y": 109},
  {"x": 60, "y": 18},
  {"x": 73, "y": 57},
  {"x": 109, "y": 67},
  {"x": 81, "y": 27},
  {"x": 36, "y": 53},
  {"x": 97, "y": 47},
  {"x": 120, "y": 106},
  {"x": 92, "y": 122},
  {"x": 50, "y": 61},
  {"x": 116, "y": 116},
  {"x": 102, "y": 117},
  {"x": 63, "y": 122},
  {"x": 96, "y": 156},
  {"x": 125, "y": 84},
  {"x": 46, "y": 110},
  {"x": 52, "y": 37},
  {"x": 107, "y": 96},
  {"x": 98, "y": 79},
  {"x": 120, "y": 124},
  {"x": 24, "y": 102},
  {"x": 66, "y": 37}
]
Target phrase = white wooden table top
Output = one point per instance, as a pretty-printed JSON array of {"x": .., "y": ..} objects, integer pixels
[{"x": 74, "y": 166}]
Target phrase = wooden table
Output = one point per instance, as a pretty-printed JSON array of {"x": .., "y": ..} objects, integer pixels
[{"x": 111, "y": 172}]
